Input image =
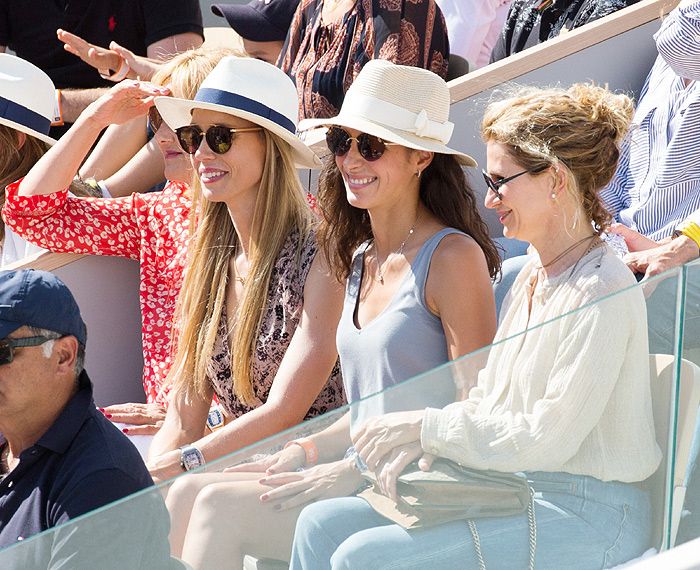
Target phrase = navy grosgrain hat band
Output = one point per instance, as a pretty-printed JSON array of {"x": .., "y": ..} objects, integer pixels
[
  {"x": 219, "y": 97},
  {"x": 19, "y": 114}
]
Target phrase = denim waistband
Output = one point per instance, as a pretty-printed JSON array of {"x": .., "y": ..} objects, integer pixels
[{"x": 547, "y": 482}]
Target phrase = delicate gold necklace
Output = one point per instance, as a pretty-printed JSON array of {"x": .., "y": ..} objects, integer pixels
[
  {"x": 236, "y": 276},
  {"x": 399, "y": 251}
]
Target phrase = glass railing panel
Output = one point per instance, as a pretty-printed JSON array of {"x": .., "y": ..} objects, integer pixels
[
  {"x": 687, "y": 483},
  {"x": 520, "y": 418}
]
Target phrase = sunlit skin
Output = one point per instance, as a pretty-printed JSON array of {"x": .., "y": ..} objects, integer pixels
[
  {"x": 266, "y": 51},
  {"x": 526, "y": 208},
  {"x": 232, "y": 177},
  {"x": 380, "y": 183},
  {"x": 178, "y": 167},
  {"x": 34, "y": 389},
  {"x": 536, "y": 207}
]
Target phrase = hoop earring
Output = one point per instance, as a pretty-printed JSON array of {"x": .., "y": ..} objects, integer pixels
[{"x": 418, "y": 173}]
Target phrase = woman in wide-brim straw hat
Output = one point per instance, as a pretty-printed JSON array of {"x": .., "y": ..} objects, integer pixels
[
  {"x": 258, "y": 308},
  {"x": 564, "y": 396},
  {"x": 26, "y": 112},
  {"x": 418, "y": 294}
]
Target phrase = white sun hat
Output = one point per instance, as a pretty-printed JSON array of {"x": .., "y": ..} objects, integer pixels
[
  {"x": 251, "y": 89},
  {"x": 27, "y": 97},
  {"x": 406, "y": 105}
]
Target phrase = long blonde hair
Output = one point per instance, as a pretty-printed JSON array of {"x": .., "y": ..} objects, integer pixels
[{"x": 280, "y": 208}]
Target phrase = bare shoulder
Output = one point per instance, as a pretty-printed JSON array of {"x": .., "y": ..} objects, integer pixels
[{"x": 457, "y": 253}]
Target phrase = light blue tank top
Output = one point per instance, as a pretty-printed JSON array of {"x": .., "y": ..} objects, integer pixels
[{"x": 404, "y": 340}]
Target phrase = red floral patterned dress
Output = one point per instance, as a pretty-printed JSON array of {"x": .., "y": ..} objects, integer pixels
[
  {"x": 151, "y": 228},
  {"x": 324, "y": 59}
]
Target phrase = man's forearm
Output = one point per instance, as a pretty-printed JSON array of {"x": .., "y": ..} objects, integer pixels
[{"x": 74, "y": 101}]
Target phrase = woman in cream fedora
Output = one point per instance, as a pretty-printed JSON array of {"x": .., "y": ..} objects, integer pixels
[
  {"x": 258, "y": 308},
  {"x": 26, "y": 112},
  {"x": 564, "y": 397},
  {"x": 394, "y": 194}
]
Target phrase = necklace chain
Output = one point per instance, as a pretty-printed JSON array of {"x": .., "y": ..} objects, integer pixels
[
  {"x": 567, "y": 250},
  {"x": 399, "y": 251}
]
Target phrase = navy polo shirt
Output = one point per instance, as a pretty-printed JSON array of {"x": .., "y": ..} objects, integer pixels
[{"x": 81, "y": 463}]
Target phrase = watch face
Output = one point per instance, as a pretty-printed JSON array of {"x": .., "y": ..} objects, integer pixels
[{"x": 191, "y": 458}]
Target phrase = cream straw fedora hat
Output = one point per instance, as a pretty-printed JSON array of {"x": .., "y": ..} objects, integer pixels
[
  {"x": 400, "y": 104},
  {"x": 247, "y": 88},
  {"x": 27, "y": 97}
]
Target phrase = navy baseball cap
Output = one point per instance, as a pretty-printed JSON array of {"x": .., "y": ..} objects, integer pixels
[
  {"x": 259, "y": 20},
  {"x": 29, "y": 297}
]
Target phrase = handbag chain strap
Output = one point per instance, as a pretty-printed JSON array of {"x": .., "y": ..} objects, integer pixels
[{"x": 532, "y": 528}]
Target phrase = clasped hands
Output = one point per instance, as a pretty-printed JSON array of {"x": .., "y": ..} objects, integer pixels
[{"x": 387, "y": 444}]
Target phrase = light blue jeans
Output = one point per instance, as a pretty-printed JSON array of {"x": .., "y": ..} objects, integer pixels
[{"x": 581, "y": 523}]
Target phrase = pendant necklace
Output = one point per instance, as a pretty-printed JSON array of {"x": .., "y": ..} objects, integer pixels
[{"x": 399, "y": 251}]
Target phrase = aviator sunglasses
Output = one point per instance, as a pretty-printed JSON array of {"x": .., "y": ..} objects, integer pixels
[
  {"x": 218, "y": 138},
  {"x": 495, "y": 185},
  {"x": 8, "y": 345},
  {"x": 371, "y": 148}
]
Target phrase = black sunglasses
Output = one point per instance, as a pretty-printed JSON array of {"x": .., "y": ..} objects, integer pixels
[
  {"x": 494, "y": 185},
  {"x": 154, "y": 119},
  {"x": 218, "y": 138},
  {"x": 371, "y": 148},
  {"x": 8, "y": 345}
]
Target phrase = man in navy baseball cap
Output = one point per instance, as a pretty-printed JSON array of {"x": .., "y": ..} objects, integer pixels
[
  {"x": 41, "y": 300},
  {"x": 59, "y": 456},
  {"x": 262, "y": 25}
]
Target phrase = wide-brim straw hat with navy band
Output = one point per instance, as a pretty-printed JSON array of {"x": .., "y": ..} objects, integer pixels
[
  {"x": 409, "y": 106},
  {"x": 27, "y": 97},
  {"x": 247, "y": 88}
]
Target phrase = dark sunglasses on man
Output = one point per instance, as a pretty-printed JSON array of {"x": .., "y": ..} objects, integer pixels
[{"x": 8, "y": 345}]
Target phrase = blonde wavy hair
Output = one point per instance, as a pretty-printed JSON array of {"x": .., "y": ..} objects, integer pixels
[
  {"x": 579, "y": 129},
  {"x": 185, "y": 72},
  {"x": 280, "y": 208}
]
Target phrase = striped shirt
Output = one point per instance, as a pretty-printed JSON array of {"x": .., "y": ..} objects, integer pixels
[{"x": 657, "y": 183}]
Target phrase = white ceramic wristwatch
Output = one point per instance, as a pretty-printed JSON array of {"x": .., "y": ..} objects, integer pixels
[{"x": 191, "y": 457}]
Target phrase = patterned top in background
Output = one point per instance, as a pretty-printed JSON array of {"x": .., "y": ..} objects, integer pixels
[
  {"x": 151, "y": 228},
  {"x": 285, "y": 301},
  {"x": 528, "y": 24},
  {"x": 324, "y": 60}
]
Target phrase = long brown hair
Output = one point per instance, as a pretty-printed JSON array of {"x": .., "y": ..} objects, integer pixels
[
  {"x": 444, "y": 191},
  {"x": 280, "y": 209}
]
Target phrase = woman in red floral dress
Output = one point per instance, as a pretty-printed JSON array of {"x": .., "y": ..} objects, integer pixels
[{"x": 151, "y": 228}]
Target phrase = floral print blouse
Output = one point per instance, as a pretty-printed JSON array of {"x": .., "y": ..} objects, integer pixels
[
  {"x": 324, "y": 59},
  {"x": 285, "y": 301},
  {"x": 151, "y": 228}
]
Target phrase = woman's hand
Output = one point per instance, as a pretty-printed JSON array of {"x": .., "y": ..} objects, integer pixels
[
  {"x": 393, "y": 464},
  {"x": 166, "y": 466},
  {"x": 146, "y": 419},
  {"x": 378, "y": 436},
  {"x": 325, "y": 481},
  {"x": 288, "y": 459},
  {"x": 123, "y": 102}
]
